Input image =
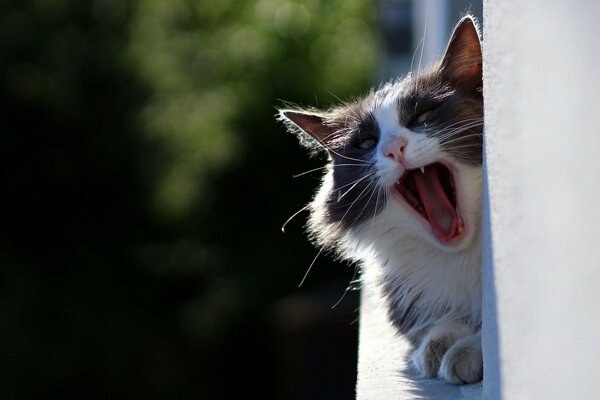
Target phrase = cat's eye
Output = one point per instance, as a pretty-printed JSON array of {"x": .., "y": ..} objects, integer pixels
[
  {"x": 367, "y": 144},
  {"x": 423, "y": 116}
]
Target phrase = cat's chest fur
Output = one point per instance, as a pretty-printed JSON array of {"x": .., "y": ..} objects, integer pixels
[{"x": 424, "y": 285}]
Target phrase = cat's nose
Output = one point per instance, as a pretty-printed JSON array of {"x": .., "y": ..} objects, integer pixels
[{"x": 394, "y": 149}]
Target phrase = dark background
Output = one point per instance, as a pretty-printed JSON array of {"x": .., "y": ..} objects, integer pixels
[{"x": 144, "y": 185}]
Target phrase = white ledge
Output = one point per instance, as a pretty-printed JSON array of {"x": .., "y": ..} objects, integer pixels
[{"x": 383, "y": 370}]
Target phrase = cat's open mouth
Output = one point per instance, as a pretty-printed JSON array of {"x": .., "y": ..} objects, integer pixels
[{"x": 430, "y": 191}]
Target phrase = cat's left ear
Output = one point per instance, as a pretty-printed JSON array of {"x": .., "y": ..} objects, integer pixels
[
  {"x": 462, "y": 63},
  {"x": 312, "y": 123}
]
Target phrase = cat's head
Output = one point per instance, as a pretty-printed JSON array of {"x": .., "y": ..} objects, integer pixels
[{"x": 406, "y": 158}]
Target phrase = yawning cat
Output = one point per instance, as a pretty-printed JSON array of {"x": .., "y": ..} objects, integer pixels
[{"x": 402, "y": 197}]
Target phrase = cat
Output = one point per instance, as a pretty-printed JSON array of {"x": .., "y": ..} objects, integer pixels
[{"x": 401, "y": 196}]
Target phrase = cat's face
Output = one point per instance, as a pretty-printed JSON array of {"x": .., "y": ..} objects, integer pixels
[{"x": 407, "y": 157}]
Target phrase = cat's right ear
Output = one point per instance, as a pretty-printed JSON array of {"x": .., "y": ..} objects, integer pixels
[
  {"x": 311, "y": 123},
  {"x": 462, "y": 63}
]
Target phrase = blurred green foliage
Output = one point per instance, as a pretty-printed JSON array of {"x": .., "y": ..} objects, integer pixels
[
  {"x": 211, "y": 65},
  {"x": 144, "y": 184}
]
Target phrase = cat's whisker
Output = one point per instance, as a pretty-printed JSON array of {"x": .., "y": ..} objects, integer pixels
[
  {"x": 375, "y": 186},
  {"x": 468, "y": 137},
  {"x": 344, "y": 103},
  {"x": 424, "y": 33},
  {"x": 451, "y": 130},
  {"x": 445, "y": 143},
  {"x": 360, "y": 196},
  {"x": 380, "y": 188},
  {"x": 309, "y": 171},
  {"x": 420, "y": 44},
  {"x": 305, "y": 208},
  {"x": 356, "y": 182},
  {"x": 325, "y": 167},
  {"x": 460, "y": 123},
  {"x": 460, "y": 120},
  {"x": 366, "y": 162},
  {"x": 457, "y": 134},
  {"x": 310, "y": 267},
  {"x": 341, "y": 298},
  {"x": 461, "y": 146},
  {"x": 348, "y": 288},
  {"x": 457, "y": 120},
  {"x": 351, "y": 165}
]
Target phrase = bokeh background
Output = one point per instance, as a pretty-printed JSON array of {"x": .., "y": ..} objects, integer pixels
[{"x": 144, "y": 185}]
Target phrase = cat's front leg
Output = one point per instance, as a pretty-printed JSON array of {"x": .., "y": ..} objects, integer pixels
[{"x": 450, "y": 350}]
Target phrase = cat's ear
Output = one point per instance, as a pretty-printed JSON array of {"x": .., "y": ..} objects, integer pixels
[
  {"x": 462, "y": 63},
  {"x": 311, "y": 123}
]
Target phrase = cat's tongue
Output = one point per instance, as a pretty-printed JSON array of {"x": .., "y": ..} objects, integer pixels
[{"x": 442, "y": 216}]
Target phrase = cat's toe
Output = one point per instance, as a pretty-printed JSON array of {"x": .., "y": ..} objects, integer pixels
[
  {"x": 428, "y": 357},
  {"x": 463, "y": 362}
]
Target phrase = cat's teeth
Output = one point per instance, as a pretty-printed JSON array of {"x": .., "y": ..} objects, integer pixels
[{"x": 422, "y": 170}]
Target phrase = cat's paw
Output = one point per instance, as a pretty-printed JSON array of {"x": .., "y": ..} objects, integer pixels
[
  {"x": 427, "y": 358},
  {"x": 463, "y": 362}
]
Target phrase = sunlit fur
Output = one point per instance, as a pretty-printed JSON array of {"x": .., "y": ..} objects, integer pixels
[{"x": 432, "y": 287}]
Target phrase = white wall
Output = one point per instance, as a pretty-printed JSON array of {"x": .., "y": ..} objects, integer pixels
[{"x": 542, "y": 83}]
